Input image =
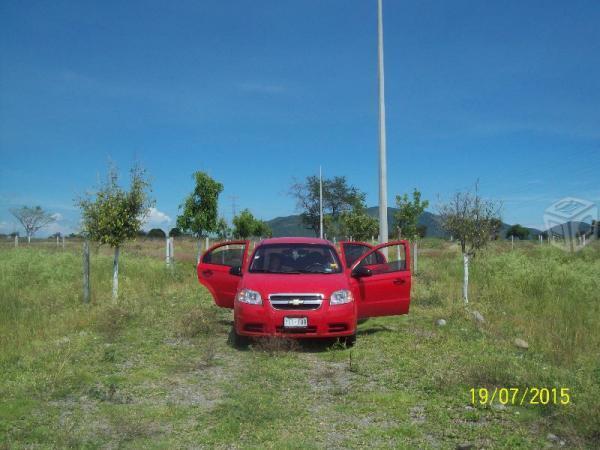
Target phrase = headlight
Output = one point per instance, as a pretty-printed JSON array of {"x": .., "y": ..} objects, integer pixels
[
  {"x": 341, "y": 297},
  {"x": 249, "y": 296}
]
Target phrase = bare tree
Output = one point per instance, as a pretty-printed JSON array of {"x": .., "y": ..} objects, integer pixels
[
  {"x": 32, "y": 219},
  {"x": 473, "y": 223}
]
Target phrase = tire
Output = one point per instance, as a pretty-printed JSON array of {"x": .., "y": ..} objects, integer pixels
[{"x": 237, "y": 340}]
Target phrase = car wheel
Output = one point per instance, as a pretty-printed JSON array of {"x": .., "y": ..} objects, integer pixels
[{"x": 237, "y": 340}]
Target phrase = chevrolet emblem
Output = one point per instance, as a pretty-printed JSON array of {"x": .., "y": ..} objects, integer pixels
[{"x": 296, "y": 302}]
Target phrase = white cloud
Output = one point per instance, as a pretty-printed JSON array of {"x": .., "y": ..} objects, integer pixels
[
  {"x": 54, "y": 228},
  {"x": 57, "y": 216},
  {"x": 156, "y": 218}
]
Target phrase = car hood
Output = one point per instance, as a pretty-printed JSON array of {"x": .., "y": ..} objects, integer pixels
[{"x": 269, "y": 283}]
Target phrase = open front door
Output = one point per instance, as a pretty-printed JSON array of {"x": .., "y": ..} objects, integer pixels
[
  {"x": 214, "y": 270},
  {"x": 352, "y": 250},
  {"x": 381, "y": 280}
]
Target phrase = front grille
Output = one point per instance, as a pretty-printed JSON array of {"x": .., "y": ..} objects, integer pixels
[{"x": 296, "y": 302}]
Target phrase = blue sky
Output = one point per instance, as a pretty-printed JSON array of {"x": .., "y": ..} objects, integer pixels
[{"x": 257, "y": 93}]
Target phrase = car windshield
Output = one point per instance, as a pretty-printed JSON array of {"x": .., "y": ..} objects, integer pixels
[{"x": 295, "y": 259}]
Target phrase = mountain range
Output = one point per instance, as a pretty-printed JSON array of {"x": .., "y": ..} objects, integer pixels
[{"x": 293, "y": 226}]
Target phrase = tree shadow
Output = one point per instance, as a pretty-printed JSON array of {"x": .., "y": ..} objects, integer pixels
[
  {"x": 373, "y": 330},
  {"x": 283, "y": 344}
]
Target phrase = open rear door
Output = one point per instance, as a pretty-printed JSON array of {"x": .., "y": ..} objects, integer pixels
[
  {"x": 381, "y": 280},
  {"x": 352, "y": 250},
  {"x": 214, "y": 270}
]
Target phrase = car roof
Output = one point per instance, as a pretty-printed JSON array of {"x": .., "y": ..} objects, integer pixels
[{"x": 295, "y": 240}]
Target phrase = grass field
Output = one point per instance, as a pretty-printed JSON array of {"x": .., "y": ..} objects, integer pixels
[{"x": 155, "y": 370}]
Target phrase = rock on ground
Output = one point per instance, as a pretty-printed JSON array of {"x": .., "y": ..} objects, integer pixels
[
  {"x": 521, "y": 343},
  {"x": 478, "y": 316}
]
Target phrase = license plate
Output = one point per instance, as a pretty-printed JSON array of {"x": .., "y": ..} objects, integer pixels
[{"x": 295, "y": 322}]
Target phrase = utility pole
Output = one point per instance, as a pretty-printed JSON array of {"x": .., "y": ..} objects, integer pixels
[
  {"x": 320, "y": 202},
  {"x": 233, "y": 206},
  {"x": 383, "y": 225}
]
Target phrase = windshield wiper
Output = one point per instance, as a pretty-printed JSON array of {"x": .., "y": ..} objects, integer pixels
[
  {"x": 291, "y": 272},
  {"x": 312, "y": 271}
]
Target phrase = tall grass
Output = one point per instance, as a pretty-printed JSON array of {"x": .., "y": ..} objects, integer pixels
[
  {"x": 548, "y": 297},
  {"x": 56, "y": 351},
  {"x": 539, "y": 293},
  {"x": 41, "y": 300}
]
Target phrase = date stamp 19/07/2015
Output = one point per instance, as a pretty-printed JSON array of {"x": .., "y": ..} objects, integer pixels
[{"x": 521, "y": 396}]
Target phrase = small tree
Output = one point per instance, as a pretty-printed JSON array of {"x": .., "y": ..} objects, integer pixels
[
  {"x": 471, "y": 220},
  {"x": 262, "y": 229},
  {"x": 32, "y": 219},
  {"x": 157, "y": 233},
  {"x": 496, "y": 227},
  {"x": 223, "y": 230},
  {"x": 358, "y": 224},
  {"x": 518, "y": 231},
  {"x": 244, "y": 225},
  {"x": 113, "y": 215},
  {"x": 338, "y": 197},
  {"x": 409, "y": 211},
  {"x": 175, "y": 232},
  {"x": 199, "y": 214}
]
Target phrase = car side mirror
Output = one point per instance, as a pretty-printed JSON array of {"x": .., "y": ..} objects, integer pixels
[
  {"x": 236, "y": 270},
  {"x": 361, "y": 271}
]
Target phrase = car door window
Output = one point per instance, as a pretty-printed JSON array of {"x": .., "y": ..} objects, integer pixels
[
  {"x": 379, "y": 264},
  {"x": 230, "y": 255},
  {"x": 353, "y": 252}
]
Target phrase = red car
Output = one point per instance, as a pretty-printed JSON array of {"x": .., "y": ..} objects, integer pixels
[{"x": 304, "y": 287}]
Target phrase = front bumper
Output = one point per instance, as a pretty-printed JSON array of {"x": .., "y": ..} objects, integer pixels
[{"x": 265, "y": 320}]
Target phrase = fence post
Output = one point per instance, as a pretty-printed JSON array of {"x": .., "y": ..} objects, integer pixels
[
  {"x": 172, "y": 249},
  {"x": 512, "y": 241},
  {"x": 167, "y": 252},
  {"x": 415, "y": 256},
  {"x": 16, "y": 240},
  {"x": 169, "y": 257},
  {"x": 207, "y": 243},
  {"x": 63, "y": 242},
  {"x": 86, "y": 271},
  {"x": 199, "y": 251}
]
